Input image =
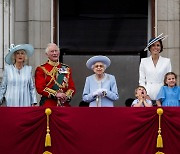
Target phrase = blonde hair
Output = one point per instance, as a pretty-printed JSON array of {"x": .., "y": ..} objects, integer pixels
[
  {"x": 135, "y": 92},
  {"x": 14, "y": 59}
]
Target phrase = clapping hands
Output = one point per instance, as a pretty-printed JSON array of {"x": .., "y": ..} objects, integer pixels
[{"x": 100, "y": 92}]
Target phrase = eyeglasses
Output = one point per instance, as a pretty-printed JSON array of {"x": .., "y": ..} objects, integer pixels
[{"x": 96, "y": 66}]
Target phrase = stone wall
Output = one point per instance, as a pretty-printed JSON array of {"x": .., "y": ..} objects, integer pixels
[
  {"x": 168, "y": 23},
  {"x": 32, "y": 22},
  {"x": 32, "y": 25}
]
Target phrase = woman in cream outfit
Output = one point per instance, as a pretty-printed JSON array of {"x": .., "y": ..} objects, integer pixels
[{"x": 153, "y": 69}]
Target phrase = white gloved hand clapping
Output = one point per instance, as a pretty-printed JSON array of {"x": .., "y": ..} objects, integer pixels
[
  {"x": 104, "y": 90},
  {"x": 95, "y": 93},
  {"x": 98, "y": 92}
]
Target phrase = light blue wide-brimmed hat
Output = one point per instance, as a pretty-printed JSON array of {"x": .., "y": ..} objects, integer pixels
[
  {"x": 153, "y": 40},
  {"x": 99, "y": 58},
  {"x": 28, "y": 48}
]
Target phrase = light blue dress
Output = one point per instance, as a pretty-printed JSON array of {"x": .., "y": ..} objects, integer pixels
[
  {"x": 92, "y": 84},
  {"x": 18, "y": 87},
  {"x": 169, "y": 96}
]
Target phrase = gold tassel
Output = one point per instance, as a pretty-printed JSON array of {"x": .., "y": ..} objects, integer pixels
[
  {"x": 48, "y": 137},
  {"x": 159, "y": 141},
  {"x": 159, "y": 138},
  {"x": 47, "y": 152},
  {"x": 159, "y": 152},
  {"x": 48, "y": 140}
]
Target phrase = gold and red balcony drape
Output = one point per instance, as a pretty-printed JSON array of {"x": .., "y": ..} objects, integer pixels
[{"x": 83, "y": 130}]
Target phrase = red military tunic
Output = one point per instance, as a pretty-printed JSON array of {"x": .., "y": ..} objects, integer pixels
[{"x": 52, "y": 77}]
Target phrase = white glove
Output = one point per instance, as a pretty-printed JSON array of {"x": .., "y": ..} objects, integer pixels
[
  {"x": 104, "y": 90},
  {"x": 98, "y": 92},
  {"x": 95, "y": 93}
]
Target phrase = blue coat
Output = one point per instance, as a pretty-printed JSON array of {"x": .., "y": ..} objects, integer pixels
[{"x": 108, "y": 83}]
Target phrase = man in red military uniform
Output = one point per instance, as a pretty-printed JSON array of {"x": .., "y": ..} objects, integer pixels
[{"x": 53, "y": 80}]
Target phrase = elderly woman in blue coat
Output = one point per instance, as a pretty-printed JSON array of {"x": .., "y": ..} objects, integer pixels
[{"x": 100, "y": 89}]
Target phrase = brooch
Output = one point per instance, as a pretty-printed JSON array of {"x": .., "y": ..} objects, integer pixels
[{"x": 62, "y": 70}]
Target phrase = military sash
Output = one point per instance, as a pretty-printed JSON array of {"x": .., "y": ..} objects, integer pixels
[{"x": 57, "y": 82}]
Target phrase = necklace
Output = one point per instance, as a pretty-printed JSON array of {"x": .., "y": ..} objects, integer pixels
[{"x": 19, "y": 67}]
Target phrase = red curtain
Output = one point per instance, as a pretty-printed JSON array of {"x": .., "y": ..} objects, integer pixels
[{"x": 75, "y": 130}]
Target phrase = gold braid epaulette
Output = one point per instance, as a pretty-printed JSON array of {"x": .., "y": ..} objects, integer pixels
[
  {"x": 69, "y": 93},
  {"x": 50, "y": 91},
  {"x": 52, "y": 73}
]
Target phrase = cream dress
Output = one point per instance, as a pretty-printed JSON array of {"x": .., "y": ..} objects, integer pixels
[{"x": 151, "y": 76}]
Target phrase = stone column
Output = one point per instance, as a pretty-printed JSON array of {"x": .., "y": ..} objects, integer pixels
[
  {"x": 168, "y": 23},
  {"x": 39, "y": 21}
]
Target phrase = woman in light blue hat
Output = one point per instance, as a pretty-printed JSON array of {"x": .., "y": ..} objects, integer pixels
[
  {"x": 153, "y": 68},
  {"x": 100, "y": 89},
  {"x": 17, "y": 85}
]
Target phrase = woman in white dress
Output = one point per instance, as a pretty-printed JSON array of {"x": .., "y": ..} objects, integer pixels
[
  {"x": 153, "y": 69},
  {"x": 17, "y": 84},
  {"x": 100, "y": 89}
]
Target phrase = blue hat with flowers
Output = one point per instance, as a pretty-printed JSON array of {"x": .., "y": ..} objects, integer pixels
[
  {"x": 105, "y": 60},
  {"x": 153, "y": 40},
  {"x": 28, "y": 48}
]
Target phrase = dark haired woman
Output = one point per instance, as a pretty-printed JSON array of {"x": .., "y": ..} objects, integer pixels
[{"x": 153, "y": 68}]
